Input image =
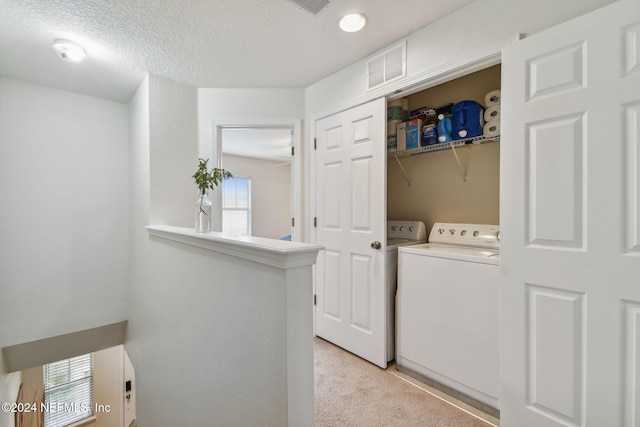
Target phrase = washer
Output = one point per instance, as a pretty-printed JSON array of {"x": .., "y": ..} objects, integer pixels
[
  {"x": 399, "y": 233},
  {"x": 448, "y": 312}
]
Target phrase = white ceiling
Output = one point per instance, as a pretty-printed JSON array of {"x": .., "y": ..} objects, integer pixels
[
  {"x": 261, "y": 143},
  {"x": 204, "y": 43}
]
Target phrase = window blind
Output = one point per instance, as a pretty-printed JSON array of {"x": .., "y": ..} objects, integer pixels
[
  {"x": 68, "y": 390},
  {"x": 236, "y": 205}
]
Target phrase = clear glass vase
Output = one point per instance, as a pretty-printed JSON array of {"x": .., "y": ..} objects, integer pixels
[{"x": 203, "y": 214}]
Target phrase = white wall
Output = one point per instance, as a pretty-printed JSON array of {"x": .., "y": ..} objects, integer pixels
[
  {"x": 206, "y": 332},
  {"x": 173, "y": 131},
  {"x": 140, "y": 188},
  {"x": 207, "y": 340},
  {"x": 470, "y": 28},
  {"x": 64, "y": 254},
  {"x": 270, "y": 194},
  {"x": 246, "y": 106}
]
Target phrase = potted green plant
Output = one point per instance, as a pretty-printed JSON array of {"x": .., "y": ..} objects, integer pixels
[{"x": 206, "y": 180}]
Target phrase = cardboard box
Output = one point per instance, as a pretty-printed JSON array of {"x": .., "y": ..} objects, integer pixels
[{"x": 413, "y": 134}]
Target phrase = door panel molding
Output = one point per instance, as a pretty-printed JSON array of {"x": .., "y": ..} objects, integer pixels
[
  {"x": 557, "y": 72},
  {"x": 632, "y": 362},
  {"x": 556, "y": 352},
  {"x": 631, "y": 48},
  {"x": 556, "y": 184},
  {"x": 632, "y": 125}
]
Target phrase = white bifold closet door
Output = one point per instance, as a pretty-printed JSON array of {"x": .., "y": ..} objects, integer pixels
[
  {"x": 570, "y": 223},
  {"x": 351, "y": 217}
]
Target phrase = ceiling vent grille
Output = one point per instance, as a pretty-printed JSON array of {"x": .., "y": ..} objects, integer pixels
[
  {"x": 387, "y": 67},
  {"x": 311, "y": 6}
]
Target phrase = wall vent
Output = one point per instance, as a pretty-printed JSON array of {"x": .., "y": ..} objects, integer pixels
[
  {"x": 387, "y": 67},
  {"x": 311, "y": 6}
]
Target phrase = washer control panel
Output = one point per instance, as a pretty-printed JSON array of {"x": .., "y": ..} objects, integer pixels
[{"x": 477, "y": 235}]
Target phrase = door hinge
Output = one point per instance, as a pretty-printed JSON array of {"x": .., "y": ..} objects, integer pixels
[
  {"x": 293, "y": 222},
  {"x": 315, "y": 299},
  {"x": 293, "y": 150},
  {"x": 315, "y": 221},
  {"x": 315, "y": 143}
]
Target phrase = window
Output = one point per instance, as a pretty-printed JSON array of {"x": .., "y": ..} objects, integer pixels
[
  {"x": 68, "y": 390},
  {"x": 236, "y": 205}
]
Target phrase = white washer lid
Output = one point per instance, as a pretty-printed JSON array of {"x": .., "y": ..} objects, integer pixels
[{"x": 454, "y": 252}]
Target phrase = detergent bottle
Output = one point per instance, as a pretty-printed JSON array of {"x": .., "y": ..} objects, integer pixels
[
  {"x": 444, "y": 128},
  {"x": 468, "y": 119}
]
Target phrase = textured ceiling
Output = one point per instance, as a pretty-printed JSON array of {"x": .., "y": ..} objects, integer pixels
[{"x": 204, "y": 43}]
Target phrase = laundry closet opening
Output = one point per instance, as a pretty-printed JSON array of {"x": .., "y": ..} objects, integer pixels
[
  {"x": 443, "y": 168},
  {"x": 434, "y": 188}
]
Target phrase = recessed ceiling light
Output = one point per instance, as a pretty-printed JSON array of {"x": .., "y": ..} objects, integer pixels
[
  {"x": 69, "y": 51},
  {"x": 353, "y": 22}
]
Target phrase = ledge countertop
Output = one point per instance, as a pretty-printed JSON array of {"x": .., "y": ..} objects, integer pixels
[{"x": 277, "y": 253}]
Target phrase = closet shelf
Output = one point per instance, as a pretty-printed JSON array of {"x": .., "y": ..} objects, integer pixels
[{"x": 446, "y": 145}]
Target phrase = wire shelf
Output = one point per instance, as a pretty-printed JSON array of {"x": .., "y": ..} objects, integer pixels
[{"x": 446, "y": 145}]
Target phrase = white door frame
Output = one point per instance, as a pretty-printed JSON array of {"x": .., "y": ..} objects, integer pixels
[{"x": 214, "y": 152}]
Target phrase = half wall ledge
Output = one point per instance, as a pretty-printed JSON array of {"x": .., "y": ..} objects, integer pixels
[
  {"x": 295, "y": 260},
  {"x": 276, "y": 253}
]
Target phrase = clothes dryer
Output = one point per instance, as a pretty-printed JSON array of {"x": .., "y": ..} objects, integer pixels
[{"x": 399, "y": 234}]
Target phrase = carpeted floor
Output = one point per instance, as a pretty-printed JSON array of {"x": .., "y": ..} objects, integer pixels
[{"x": 350, "y": 392}]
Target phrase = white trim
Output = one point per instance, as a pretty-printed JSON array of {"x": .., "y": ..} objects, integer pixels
[
  {"x": 296, "y": 179},
  {"x": 276, "y": 253}
]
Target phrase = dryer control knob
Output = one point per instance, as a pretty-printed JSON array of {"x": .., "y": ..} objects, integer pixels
[
  {"x": 394, "y": 228},
  {"x": 402, "y": 228},
  {"x": 475, "y": 233},
  {"x": 410, "y": 228},
  {"x": 441, "y": 230},
  {"x": 452, "y": 231},
  {"x": 463, "y": 232}
]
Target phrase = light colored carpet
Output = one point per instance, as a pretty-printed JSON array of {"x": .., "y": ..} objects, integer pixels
[{"x": 351, "y": 392}]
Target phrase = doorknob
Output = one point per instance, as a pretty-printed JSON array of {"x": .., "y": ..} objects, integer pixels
[{"x": 376, "y": 245}]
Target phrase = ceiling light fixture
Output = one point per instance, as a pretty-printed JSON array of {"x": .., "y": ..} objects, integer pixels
[
  {"x": 353, "y": 22},
  {"x": 69, "y": 51}
]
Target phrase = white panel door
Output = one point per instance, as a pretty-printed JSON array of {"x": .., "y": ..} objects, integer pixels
[
  {"x": 351, "y": 215},
  {"x": 570, "y": 221}
]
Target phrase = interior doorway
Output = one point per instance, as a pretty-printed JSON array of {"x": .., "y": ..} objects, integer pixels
[
  {"x": 267, "y": 152},
  {"x": 257, "y": 201}
]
